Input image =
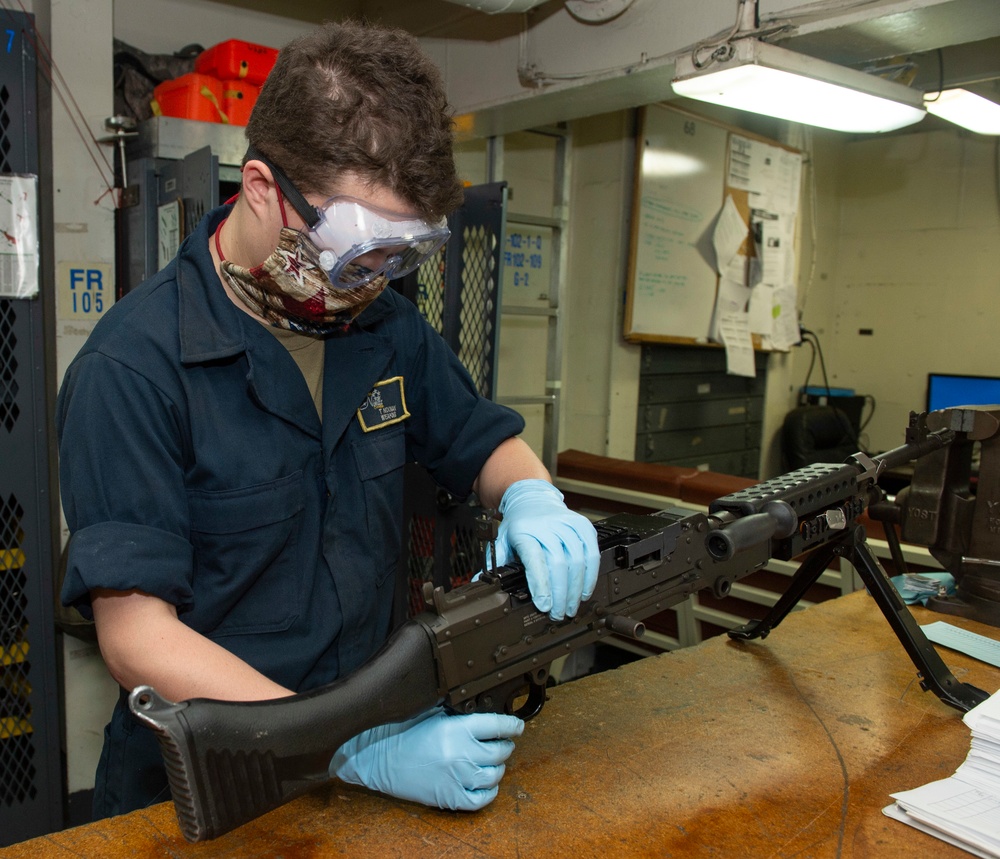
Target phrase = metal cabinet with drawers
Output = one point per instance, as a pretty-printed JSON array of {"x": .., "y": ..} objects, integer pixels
[{"x": 693, "y": 413}]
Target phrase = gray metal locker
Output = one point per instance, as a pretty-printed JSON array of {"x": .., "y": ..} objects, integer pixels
[
  {"x": 458, "y": 293},
  {"x": 31, "y": 791}
]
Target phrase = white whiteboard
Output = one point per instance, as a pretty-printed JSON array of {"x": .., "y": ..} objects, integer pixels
[
  {"x": 687, "y": 167},
  {"x": 680, "y": 172}
]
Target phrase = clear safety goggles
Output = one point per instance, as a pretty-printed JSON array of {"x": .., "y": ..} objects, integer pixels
[{"x": 358, "y": 242}]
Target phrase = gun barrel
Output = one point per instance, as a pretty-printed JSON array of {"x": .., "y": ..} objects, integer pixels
[{"x": 915, "y": 449}]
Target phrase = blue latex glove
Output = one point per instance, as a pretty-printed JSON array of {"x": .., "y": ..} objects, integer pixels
[
  {"x": 437, "y": 759},
  {"x": 557, "y": 546},
  {"x": 920, "y": 587}
]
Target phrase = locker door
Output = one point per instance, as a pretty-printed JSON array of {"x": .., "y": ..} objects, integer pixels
[
  {"x": 31, "y": 793},
  {"x": 459, "y": 295}
]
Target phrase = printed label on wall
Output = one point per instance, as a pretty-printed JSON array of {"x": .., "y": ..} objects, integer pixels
[
  {"x": 526, "y": 264},
  {"x": 18, "y": 236},
  {"x": 85, "y": 290}
]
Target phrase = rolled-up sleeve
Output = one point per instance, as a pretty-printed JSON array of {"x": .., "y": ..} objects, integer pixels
[
  {"x": 121, "y": 481},
  {"x": 121, "y": 556}
]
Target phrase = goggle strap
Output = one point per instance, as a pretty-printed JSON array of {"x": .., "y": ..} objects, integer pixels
[{"x": 301, "y": 205}]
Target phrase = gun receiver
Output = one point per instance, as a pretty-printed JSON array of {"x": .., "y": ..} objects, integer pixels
[{"x": 485, "y": 647}]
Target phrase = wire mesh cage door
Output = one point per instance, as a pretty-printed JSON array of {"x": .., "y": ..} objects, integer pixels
[
  {"x": 30, "y": 775},
  {"x": 458, "y": 292}
]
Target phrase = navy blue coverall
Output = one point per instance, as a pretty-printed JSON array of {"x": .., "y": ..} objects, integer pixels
[{"x": 194, "y": 467}]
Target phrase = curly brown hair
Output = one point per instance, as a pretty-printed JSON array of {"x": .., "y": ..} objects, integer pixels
[{"x": 365, "y": 99}]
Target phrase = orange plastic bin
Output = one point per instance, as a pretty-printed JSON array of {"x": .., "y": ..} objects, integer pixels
[
  {"x": 191, "y": 96},
  {"x": 237, "y": 60},
  {"x": 238, "y": 98}
]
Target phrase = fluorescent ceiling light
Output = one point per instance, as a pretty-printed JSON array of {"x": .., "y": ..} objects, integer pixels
[
  {"x": 966, "y": 109},
  {"x": 773, "y": 81}
]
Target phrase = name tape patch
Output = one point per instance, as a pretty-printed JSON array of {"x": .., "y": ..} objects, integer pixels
[{"x": 384, "y": 406}]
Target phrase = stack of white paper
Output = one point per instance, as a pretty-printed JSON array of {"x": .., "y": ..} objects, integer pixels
[{"x": 964, "y": 809}]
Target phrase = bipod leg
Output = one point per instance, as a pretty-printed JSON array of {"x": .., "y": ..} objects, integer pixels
[
  {"x": 805, "y": 577},
  {"x": 895, "y": 549},
  {"x": 934, "y": 674}
]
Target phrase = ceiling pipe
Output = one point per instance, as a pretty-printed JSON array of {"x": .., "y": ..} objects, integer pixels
[
  {"x": 495, "y": 7},
  {"x": 588, "y": 11}
]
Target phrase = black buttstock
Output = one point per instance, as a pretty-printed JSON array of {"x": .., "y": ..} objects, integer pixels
[{"x": 229, "y": 762}]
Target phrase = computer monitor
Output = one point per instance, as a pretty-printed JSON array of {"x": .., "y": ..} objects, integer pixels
[{"x": 945, "y": 390}]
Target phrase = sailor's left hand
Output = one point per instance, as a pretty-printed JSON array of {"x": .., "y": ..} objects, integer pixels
[{"x": 557, "y": 546}]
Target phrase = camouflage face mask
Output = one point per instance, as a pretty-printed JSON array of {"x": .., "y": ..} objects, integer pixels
[{"x": 290, "y": 290}]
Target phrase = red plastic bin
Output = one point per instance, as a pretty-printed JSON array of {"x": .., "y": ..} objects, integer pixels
[
  {"x": 237, "y": 60},
  {"x": 191, "y": 96},
  {"x": 238, "y": 99}
]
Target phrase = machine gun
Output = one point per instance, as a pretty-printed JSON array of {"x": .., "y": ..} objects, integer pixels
[{"x": 485, "y": 647}]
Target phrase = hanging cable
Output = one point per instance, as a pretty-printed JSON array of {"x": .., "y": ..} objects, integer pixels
[
  {"x": 64, "y": 93},
  {"x": 855, "y": 436},
  {"x": 809, "y": 164},
  {"x": 721, "y": 47},
  {"x": 812, "y": 363},
  {"x": 812, "y": 339},
  {"x": 940, "y": 89}
]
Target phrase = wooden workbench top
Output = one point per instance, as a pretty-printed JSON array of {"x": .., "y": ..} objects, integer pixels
[{"x": 776, "y": 748}]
